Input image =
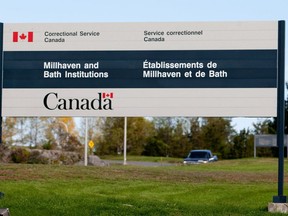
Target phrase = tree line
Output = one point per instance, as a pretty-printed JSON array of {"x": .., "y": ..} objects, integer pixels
[{"x": 167, "y": 137}]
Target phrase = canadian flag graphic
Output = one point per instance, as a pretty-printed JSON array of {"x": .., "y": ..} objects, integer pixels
[
  {"x": 22, "y": 37},
  {"x": 107, "y": 95}
]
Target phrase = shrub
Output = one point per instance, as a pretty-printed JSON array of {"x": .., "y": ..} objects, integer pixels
[
  {"x": 155, "y": 147},
  {"x": 20, "y": 155},
  {"x": 49, "y": 145}
]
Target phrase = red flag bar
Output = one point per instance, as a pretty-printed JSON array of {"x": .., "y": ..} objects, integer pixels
[
  {"x": 30, "y": 36},
  {"x": 15, "y": 36}
]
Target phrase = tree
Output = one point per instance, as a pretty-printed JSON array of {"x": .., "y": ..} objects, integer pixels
[
  {"x": 164, "y": 131},
  {"x": 139, "y": 130},
  {"x": 112, "y": 136},
  {"x": 262, "y": 127},
  {"x": 154, "y": 147},
  {"x": 179, "y": 146},
  {"x": 59, "y": 132},
  {"x": 195, "y": 138},
  {"x": 21, "y": 128},
  {"x": 8, "y": 130},
  {"x": 112, "y": 139},
  {"x": 23, "y": 131},
  {"x": 243, "y": 145},
  {"x": 35, "y": 134},
  {"x": 172, "y": 134},
  {"x": 216, "y": 135}
]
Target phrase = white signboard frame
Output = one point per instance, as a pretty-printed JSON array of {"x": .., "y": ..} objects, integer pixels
[{"x": 140, "y": 69}]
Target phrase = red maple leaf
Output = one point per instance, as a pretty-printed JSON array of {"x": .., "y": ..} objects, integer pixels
[{"x": 22, "y": 36}]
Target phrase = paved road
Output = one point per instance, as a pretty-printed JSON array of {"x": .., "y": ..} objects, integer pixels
[{"x": 140, "y": 163}]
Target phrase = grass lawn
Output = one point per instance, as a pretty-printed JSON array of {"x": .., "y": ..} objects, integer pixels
[
  {"x": 231, "y": 187},
  {"x": 144, "y": 158}
]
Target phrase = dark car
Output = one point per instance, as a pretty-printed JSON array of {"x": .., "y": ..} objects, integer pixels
[{"x": 200, "y": 156}]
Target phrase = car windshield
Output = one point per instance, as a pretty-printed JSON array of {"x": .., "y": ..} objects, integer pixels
[{"x": 198, "y": 155}]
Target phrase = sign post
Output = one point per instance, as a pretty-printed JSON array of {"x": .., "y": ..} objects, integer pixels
[
  {"x": 125, "y": 142},
  {"x": 1, "y": 69},
  {"x": 86, "y": 143},
  {"x": 1, "y": 75},
  {"x": 280, "y": 198}
]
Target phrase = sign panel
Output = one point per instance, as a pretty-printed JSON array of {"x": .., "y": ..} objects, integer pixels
[
  {"x": 91, "y": 144},
  {"x": 140, "y": 69},
  {"x": 267, "y": 140}
]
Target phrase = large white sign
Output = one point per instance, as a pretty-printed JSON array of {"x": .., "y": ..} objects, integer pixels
[{"x": 140, "y": 69}]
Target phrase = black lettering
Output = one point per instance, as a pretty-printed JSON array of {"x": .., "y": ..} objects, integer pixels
[{"x": 45, "y": 101}]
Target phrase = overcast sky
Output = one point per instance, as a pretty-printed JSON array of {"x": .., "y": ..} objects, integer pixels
[{"x": 19, "y": 11}]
